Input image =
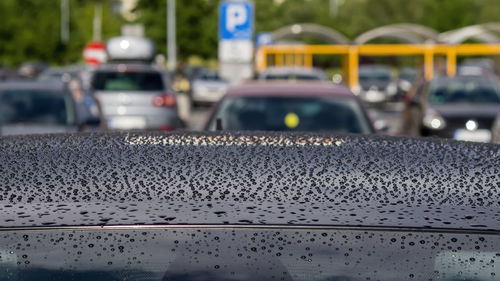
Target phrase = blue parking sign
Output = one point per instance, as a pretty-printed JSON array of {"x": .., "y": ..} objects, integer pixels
[{"x": 236, "y": 20}]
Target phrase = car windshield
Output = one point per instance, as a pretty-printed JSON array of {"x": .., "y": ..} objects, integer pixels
[
  {"x": 374, "y": 75},
  {"x": 464, "y": 91},
  {"x": 127, "y": 81},
  {"x": 36, "y": 107},
  {"x": 247, "y": 254},
  {"x": 408, "y": 75},
  {"x": 343, "y": 115},
  {"x": 211, "y": 77},
  {"x": 292, "y": 76}
]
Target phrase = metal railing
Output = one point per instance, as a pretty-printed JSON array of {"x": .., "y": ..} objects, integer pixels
[{"x": 302, "y": 55}]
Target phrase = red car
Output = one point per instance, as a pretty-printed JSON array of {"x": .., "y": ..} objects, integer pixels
[{"x": 290, "y": 106}]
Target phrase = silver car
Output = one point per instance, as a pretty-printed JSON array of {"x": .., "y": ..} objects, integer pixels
[
  {"x": 209, "y": 88},
  {"x": 135, "y": 96}
]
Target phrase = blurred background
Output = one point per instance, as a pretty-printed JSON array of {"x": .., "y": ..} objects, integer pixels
[{"x": 398, "y": 67}]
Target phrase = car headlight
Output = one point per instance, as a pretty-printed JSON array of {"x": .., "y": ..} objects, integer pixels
[
  {"x": 433, "y": 120},
  {"x": 405, "y": 85},
  {"x": 356, "y": 90},
  {"x": 392, "y": 89}
]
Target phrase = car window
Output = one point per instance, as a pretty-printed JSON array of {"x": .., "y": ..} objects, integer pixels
[
  {"x": 127, "y": 81},
  {"x": 210, "y": 77},
  {"x": 292, "y": 77},
  {"x": 292, "y": 114},
  {"x": 36, "y": 107},
  {"x": 464, "y": 91},
  {"x": 378, "y": 75},
  {"x": 248, "y": 254},
  {"x": 408, "y": 75}
]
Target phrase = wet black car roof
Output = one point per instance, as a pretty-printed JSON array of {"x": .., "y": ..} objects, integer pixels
[{"x": 248, "y": 179}]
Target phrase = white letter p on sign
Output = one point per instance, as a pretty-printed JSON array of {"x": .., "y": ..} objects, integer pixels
[{"x": 236, "y": 14}]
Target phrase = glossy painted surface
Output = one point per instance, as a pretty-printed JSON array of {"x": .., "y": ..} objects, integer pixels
[
  {"x": 258, "y": 179},
  {"x": 247, "y": 254}
]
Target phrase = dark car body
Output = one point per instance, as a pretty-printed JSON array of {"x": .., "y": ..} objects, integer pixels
[
  {"x": 275, "y": 105},
  {"x": 247, "y": 207},
  {"x": 41, "y": 107},
  {"x": 464, "y": 105}
]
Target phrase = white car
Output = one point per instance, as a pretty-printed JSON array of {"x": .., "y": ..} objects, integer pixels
[{"x": 209, "y": 88}]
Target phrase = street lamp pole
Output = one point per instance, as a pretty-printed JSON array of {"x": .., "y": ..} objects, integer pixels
[
  {"x": 64, "y": 21},
  {"x": 171, "y": 36},
  {"x": 97, "y": 23},
  {"x": 334, "y": 8}
]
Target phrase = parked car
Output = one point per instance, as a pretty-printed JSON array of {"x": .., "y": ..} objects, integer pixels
[
  {"x": 32, "y": 107},
  {"x": 274, "y": 206},
  {"x": 477, "y": 67},
  {"x": 376, "y": 84},
  {"x": 474, "y": 70},
  {"x": 135, "y": 96},
  {"x": 462, "y": 108},
  {"x": 208, "y": 87},
  {"x": 406, "y": 78},
  {"x": 285, "y": 106},
  {"x": 31, "y": 69},
  {"x": 64, "y": 74},
  {"x": 292, "y": 73}
]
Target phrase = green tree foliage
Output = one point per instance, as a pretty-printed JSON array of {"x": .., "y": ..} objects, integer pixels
[
  {"x": 197, "y": 19},
  {"x": 197, "y": 25},
  {"x": 30, "y": 30}
]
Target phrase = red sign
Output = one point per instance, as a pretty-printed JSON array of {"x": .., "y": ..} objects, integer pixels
[{"x": 94, "y": 53}]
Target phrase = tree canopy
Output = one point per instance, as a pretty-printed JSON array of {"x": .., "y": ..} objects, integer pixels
[
  {"x": 30, "y": 29},
  {"x": 197, "y": 19}
]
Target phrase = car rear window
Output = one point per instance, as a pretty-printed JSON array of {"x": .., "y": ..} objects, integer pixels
[
  {"x": 374, "y": 76},
  {"x": 341, "y": 115},
  {"x": 127, "y": 81},
  {"x": 248, "y": 254},
  {"x": 36, "y": 107},
  {"x": 292, "y": 77}
]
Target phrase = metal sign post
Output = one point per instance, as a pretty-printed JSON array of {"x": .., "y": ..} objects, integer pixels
[
  {"x": 236, "y": 27},
  {"x": 171, "y": 36}
]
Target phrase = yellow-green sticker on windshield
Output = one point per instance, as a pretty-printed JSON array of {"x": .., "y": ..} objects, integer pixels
[{"x": 292, "y": 120}]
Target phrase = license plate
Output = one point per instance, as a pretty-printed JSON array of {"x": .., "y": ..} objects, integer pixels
[
  {"x": 125, "y": 122},
  {"x": 474, "y": 136}
]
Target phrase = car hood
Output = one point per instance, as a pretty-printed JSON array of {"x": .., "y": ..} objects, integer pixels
[
  {"x": 465, "y": 110},
  {"x": 119, "y": 179},
  {"x": 28, "y": 129}
]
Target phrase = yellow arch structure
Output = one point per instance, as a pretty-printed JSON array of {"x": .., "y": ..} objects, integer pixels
[{"x": 301, "y": 55}]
